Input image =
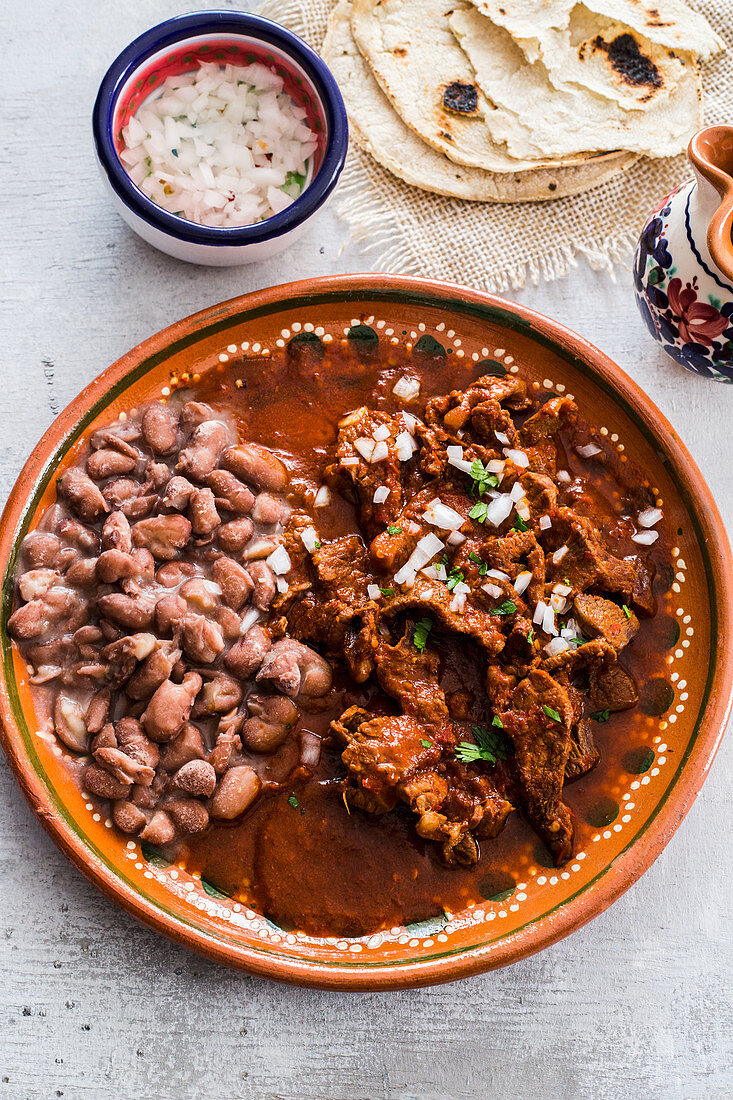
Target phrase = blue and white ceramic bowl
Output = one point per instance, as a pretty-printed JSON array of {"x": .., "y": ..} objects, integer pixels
[{"x": 178, "y": 45}]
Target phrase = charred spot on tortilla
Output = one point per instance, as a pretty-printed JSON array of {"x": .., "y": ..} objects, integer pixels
[
  {"x": 446, "y": 135},
  {"x": 399, "y": 51},
  {"x": 461, "y": 98},
  {"x": 629, "y": 62}
]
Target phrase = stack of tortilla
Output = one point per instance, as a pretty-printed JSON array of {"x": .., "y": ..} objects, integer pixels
[{"x": 517, "y": 100}]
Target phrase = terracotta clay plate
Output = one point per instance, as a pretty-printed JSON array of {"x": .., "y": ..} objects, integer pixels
[{"x": 679, "y": 722}]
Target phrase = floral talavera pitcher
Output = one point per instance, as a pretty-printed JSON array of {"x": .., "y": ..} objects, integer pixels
[{"x": 683, "y": 268}]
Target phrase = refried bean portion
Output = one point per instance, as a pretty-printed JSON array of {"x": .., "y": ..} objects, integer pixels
[{"x": 143, "y": 597}]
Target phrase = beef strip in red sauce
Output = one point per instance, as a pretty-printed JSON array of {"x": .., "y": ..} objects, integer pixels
[{"x": 370, "y": 736}]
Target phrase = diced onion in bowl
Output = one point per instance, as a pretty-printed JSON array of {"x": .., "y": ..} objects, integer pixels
[
  {"x": 649, "y": 517},
  {"x": 381, "y": 493},
  {"x": 645, "y": 538},
  {"x": 411, "y": 422},
  {"x": 496, "y": 466},
  {"x": 588, "y": 450},
  {"x": 222, "y": 146},
  {"x": 279, "y": 560},
  {"x": 406, "y": 388},
  {"x": 521, "y": 584},
  {"x": 523, "y": 509},
  {"x": 213, "y": 588}
]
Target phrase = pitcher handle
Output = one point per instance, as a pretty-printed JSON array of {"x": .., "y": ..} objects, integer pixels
[{"x": 711, "y": 155}]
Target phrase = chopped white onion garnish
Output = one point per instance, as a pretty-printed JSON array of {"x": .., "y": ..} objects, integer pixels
[
  {"x": 279, "y": 560},
  {"x": 380, "y": 452},
  {"x": 410, "y": 421},
  {"x": 282, "y": 585},
  {"x": 562, "y": 589},
  {"x": 570, "y": 630},
  {"x": 502, "y": 437},
  {"x": 431, "y": 544},
  {"x": 539, "y": 611},
  {"x": 492, "y": 589},
  {"x": 563, "y": 475},
  {"x": 548, "y": 621},
  {"x": 458, "y": 602},
  {"x": 426, "y": 593},
  {"x": 323, "y": 497},
  {"x": 250, "y": 617},
  {"x": 498, "y": 574},
  {"x": 413, "y": 528},
  {"x": 441, "y": 572},
  {"x": 588, "y": 450},
  {"x": 373, "y": 591},
  {"x": 499, "y": 509},
  {"x": 496, "y": 466},
  {"x": 431, "y": 572},
  {"x": 406, "y": 574},
  {"x": 455, "y": 458},
  {"x": 381, "y": 434},
  {"x": 222, "y": 146},
  {"x": 556, "y": 646},
  {"x": 406, "y": 388},
  {"x": 310, "y": 748},
  {"x": 258, "y": 549},
  {"x": 351, "y": 461},
  {"x": 649, "y": 517},
  {"x": 523, "y": 509},
  {"x": 455, "y": 538},
  {"x": 406, "y": 446},
  {"x": 433, "y": 502},
  {"x": 522, "y": 582},
  {"x": 559, "y": 555},
  {"x": 545, "y": 523},
  {"x": 557, "y": 603},
  {"x": 645, "y": 538},
  {"x": 309, "y": 538},
  {"x": 381, "y": 494},
  {"x": 519, "y": 458},
  {"x": 462, "y": 589},
  {"x": 213, "y": 588},
  {"x": 365, "y": 447},
  {"x": 440, "y": 515},
  {"x": 516, "y": 492}
]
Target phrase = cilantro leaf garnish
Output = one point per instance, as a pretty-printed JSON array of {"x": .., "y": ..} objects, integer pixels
[
  {"x": 482, "y": 566},
  {"x": 420, "y": 632},
  {"x": 481, "y": 478},
  {"x": 392, "y": 530},
  {"x": 530, "y": 635},
  {"x": 387, "y": 591},
  {"x": 478, "y": 512},
  {"x": 454, "y": 577},
  {"x": 425, "y": 743},
  {"x": 496, "y": 721},
  {"x": 490, "y": 745},
  {"x": 601, "y": 715},
  {"x": 551, "y": 713},
  {"x": 317, "y": 545},
  {"x": 506, "y": 608},
  {"x": 520, "y": 525},
  {"x": 293, "y": 801},
  {"x": 626, "y": 611}
]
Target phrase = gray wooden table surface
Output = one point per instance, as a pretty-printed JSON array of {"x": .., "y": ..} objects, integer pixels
[{"x": 637, "y": 1004}]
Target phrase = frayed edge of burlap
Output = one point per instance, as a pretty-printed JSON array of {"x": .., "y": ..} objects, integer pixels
[{"x": 375, "y": 232}]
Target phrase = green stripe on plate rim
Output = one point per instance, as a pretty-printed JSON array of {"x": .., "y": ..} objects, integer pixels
[{"x": 494, "y": 314}]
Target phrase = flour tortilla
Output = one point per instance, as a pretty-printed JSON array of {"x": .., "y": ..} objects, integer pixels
[
  {"x": 415, "y": 58},
  {"x": 378, "y": 130},
  {"x": 669, "y": 23},
  {"x": 533, "y": 118}
]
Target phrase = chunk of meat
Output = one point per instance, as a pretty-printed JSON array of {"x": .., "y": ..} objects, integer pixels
[
  {"x": 411, "y": 677},
  {"x": 362, "y": 477},
  {"x": 583, "y": 755},
  {"x": 432, "y": 599},
  {"x": 603, "y": 618},
  {"x": 538, "y": 722},
  {"x": 537, "y": 434},
  {"x": 612, "y": 688}
]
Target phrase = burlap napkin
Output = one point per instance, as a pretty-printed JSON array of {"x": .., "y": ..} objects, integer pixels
[{"x": 497, "y": 246}]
